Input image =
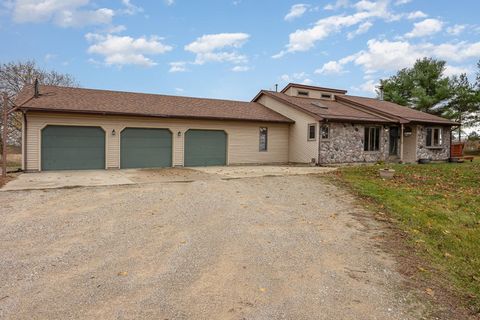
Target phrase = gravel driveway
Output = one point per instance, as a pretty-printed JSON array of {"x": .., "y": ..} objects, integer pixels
[{"x": 287, "y": 247}]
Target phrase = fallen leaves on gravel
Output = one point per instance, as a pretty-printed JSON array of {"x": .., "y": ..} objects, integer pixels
[{"x": 430, "y": 292}]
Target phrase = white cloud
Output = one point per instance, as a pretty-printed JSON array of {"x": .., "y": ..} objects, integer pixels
[
  {"x": 305, "y": 39},
  {"x": 240, "y": 68},
  {"x": 50, "y": 56},
  {"x": 285, "y": 77},
  {"x": 425, "y": 28},
  {"x": 337, "y": 5},
  {"x": 456, "y": 29},
  {"x": 385, "y": 55},
  {"x": 416, "y": 15},
  {"x": 296, "y": 11},
  {"x": 456, "y": 70},
  {"x": 330, "y": 67},
  {"x": 115, "y": 29},
  {"x": 65, "y": 13},
  {"x": 335, "y": 67},
  {"x": 169, "y": 2},
  {"x": 125, "y": 50},
  {"x": 213, "y": 47},
  {"x": 363, "y": 28},
  {"x": 301, "y": 77},
  {"x": 402, "y": 2},
  {"x": 178, "y": 66},
  {"x": 179, "y": 90},
  {"x": 366, "y": 87},
  {"x": 130, "y": 8}
]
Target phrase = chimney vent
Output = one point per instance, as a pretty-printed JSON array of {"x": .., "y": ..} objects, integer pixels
[
  {"x": 36, "y": 89},
  {"x": 380, "y": 91}
]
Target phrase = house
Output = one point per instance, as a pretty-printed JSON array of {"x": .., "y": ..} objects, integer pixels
[{"x": 75, "y": 128}]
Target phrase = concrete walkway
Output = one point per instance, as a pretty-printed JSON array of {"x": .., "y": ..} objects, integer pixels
[{"x": 92, "y": 178}]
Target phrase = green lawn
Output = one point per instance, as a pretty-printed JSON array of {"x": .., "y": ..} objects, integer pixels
[{"x": 438, "y": 205}]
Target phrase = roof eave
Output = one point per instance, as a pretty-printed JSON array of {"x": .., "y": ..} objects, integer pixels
[{"x": 26, "y": 109}]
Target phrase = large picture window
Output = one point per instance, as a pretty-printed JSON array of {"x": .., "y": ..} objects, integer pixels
[
  {"x": 263, "y": 139},
  {"x": 372, "y": 139},
  {"x": 434, "y": 137}
]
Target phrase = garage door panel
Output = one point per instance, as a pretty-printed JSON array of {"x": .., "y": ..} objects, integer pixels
[
  {"x": 73, "y": 148},
  {"x": 205, "y": 148},
  {"x": 145, "y": 148}
]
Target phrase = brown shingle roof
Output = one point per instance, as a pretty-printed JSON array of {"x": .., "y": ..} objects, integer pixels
[
  {"x": 402, "y": 112},
  {"x": 79, "y": 100},
  {"x": 346, "y": 107},
  {"x": 328, "y": 109}
]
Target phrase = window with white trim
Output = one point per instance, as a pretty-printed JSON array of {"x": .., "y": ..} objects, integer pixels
[
  {"x": 434, "y": 137},
  {"x": 263, "y": 139},
  {"x": 371, "y": 140},
  {"x": 312, "y": 131}
]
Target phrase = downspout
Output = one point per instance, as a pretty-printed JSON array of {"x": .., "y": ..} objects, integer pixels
[
  {"x": 24, "y": 140},
  {"x": 401, "y": 142},
  {"x": 319, "y": 142}
]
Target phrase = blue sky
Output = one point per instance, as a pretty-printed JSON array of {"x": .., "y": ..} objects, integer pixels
[{"x": 233, "y": 48}]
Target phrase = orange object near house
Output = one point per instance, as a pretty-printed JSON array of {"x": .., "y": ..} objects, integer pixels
[{"x": 456, "y": 150}]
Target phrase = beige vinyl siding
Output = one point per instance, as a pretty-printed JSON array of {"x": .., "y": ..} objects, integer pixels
[
  {"x": 243, "y": 136},
  {"x": 301, "y": 150},
  {"x": 410, "y": 146}
]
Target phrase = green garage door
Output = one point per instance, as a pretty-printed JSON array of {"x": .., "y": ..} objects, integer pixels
[
  {"x": 73, "y": 148},
  {"x": 145, "y": 148},
  {"x": 205, "y": 148}
]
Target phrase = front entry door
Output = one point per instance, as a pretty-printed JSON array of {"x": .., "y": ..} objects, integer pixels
[{"x": 393, "y": 142}]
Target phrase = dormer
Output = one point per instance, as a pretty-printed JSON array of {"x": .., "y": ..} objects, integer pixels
[{"x": 313, "y": 92}]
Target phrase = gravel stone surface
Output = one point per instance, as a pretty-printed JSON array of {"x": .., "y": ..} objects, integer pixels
[{"x": 287, "y": 247}]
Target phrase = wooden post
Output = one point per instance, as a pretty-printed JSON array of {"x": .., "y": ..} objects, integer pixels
[
  {"x": 4, "y": 135},
  {"x": 401, "y": 143}
]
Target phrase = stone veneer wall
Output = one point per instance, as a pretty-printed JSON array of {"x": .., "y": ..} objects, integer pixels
[
  {"x": 441, "y": 153},
  {"x": 346, "y": 145}
]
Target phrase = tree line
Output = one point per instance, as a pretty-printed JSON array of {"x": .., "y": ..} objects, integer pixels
[{"x": 425, "y": 87}]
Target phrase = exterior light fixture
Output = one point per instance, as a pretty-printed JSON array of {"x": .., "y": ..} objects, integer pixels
[
  {"x": 179, "y": 133},
  {"x": 113, "y": 132}
]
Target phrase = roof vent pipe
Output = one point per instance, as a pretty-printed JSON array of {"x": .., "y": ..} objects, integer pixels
[
  {"x": 276, "y": 87},
  {"x": 36, "y": 89},
  {"x": 380, "y": 91}
]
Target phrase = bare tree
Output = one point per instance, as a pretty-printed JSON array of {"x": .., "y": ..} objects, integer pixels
[{"x": 14, "y": 76}]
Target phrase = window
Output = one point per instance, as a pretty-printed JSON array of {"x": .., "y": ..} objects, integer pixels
[
  {"x": 302, "y": 93},
  {"x": 263, "y": 139},
  {"x": 372, "y": 139},
  {"x": 312, "y": 131},
  {"x": 325, "y": 131},
  {"x": 326, "y": 96},
  {"x": 434, "y": 137}
]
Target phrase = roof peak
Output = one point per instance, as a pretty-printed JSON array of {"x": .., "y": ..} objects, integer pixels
[
  {"x": 139, "y": 93},
  {"x": 304, "y": 86}
]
